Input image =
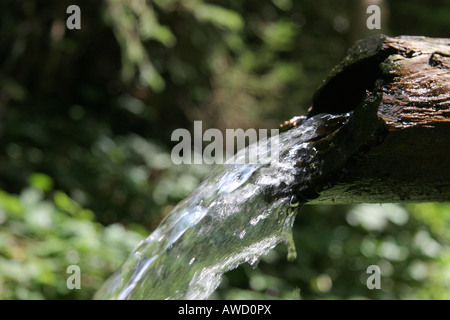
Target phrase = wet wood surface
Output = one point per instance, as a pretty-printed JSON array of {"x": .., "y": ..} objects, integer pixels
[{"x": 396, "y": 146}]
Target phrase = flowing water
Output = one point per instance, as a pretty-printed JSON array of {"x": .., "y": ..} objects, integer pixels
[{"x": 238, "y": 213}]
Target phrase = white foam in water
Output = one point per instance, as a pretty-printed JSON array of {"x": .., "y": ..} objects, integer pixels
[{"x": 235, "y": 215}]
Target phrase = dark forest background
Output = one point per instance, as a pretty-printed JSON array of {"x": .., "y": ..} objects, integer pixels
[{"x": 86, "y": 118}]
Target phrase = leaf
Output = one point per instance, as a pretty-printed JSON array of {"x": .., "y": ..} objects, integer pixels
[
  {"x": 41, "y": 181},
  {"x": 220, "y": 17}
]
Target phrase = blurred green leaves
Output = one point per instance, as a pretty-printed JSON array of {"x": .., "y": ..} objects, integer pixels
[
  {"x": 41, "y": 236},
  {"x": 135, "y": 22},
  {"x": 336, "y": 244},
  {"x": 40, "y": 181},
  {"x": 280, "y": 35},
  {"x": 435, "y": 215},
  {"x": 219, "y": 16}
]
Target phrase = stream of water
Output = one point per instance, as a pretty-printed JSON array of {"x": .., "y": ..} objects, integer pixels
[{"x": 236, "y": 215}]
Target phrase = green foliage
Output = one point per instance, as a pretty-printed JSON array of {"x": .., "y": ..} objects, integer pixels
[
  {"x": 43, "y": 231},
  {"x": 336, "y": 244}
]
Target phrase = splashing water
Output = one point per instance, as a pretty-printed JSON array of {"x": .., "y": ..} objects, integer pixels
[{"x": 237, "y": 214}]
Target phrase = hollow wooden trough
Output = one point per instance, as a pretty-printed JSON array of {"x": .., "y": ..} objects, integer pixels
[{"x": 396, "y": 145}]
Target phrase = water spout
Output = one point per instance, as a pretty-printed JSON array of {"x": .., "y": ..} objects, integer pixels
[{"x": 237, "y": 214}]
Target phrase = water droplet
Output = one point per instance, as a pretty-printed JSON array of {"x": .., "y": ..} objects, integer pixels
[
  {"x": 294, "y": 202},
  {"x": 292, "y": 251},
  {"x": 254, "y": 261},
  {"x": 256, "y": 264}
]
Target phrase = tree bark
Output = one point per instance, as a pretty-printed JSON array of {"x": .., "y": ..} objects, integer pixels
[{"x": 396, "y": 145}]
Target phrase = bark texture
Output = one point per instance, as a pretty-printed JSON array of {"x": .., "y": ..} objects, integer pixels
[{"x": 396, "y": 145}]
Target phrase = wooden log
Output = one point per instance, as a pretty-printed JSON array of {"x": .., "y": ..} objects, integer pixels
[{"x": 396, "y": 145}]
